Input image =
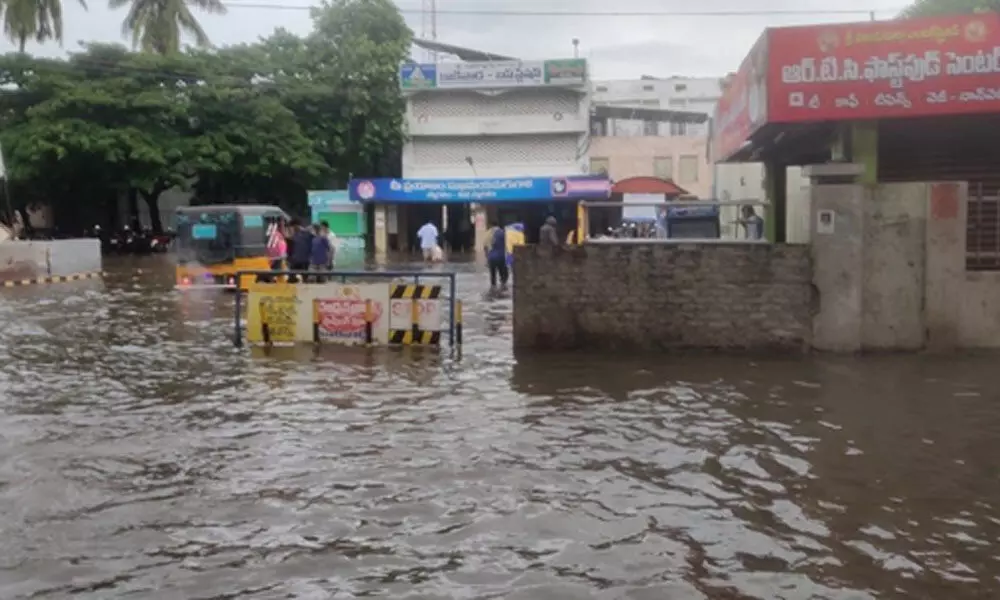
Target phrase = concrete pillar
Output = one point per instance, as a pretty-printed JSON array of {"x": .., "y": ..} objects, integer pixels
[
  {"x": 776, "y": 212},
  {"x": 381, "y": 234},
  {"x": 838, "y": 254},
  {"x": 945, "y": 276},
  {"x": 479, "y": 223}
]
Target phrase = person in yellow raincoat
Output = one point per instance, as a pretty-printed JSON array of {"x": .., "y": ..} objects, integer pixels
[{"x": 515, "y": 237}]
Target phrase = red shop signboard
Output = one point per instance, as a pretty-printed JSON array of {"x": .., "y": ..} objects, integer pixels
[
  {"x": 919, "y": 67},
  {"x": 741, "y": 110}
]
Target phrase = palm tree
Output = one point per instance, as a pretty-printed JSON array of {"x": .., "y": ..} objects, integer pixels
[
  {"x": 38, "y": 19},
  {"x": 157, "y": 25}
]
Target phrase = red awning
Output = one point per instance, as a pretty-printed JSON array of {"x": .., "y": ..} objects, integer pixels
[{"x": 647, "y": 185}]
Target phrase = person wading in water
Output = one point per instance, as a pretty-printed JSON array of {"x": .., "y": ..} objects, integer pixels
[{"x": 496, "y": 257}]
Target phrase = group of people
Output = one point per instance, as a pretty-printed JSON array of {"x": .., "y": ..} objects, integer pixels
[
  {"x": 496, "y": 250},
  {"x": 304, "y": 247}
]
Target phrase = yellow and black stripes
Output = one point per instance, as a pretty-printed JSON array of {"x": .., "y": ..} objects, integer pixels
[
  {"x": 407, "y": 337},
  {"x": 421, "y": 292},
  {"x": 52, "y": 279}
]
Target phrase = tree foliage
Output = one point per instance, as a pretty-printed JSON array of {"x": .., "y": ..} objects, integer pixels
[
  {"x": 260, "y": 122},
  {"x": 934, "y": 8}
]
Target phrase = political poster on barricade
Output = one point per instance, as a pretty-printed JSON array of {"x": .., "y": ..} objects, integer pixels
[
  {"x": 276, "y": 305},
  {"x": 340, "y": 312}
]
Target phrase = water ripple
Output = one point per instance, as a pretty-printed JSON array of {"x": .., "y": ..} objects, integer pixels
[{"x": 141, "y": 456}]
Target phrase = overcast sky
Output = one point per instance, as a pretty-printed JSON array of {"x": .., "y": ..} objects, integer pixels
[{"x": 618, "y": 46}]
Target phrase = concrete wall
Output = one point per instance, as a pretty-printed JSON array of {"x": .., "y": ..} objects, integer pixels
[
  {"x": 663, "y": 296},
  {"x": 506, "y": 133},
  {"x": 892, "y": 274},
  {"x": 29, "y": 260}
]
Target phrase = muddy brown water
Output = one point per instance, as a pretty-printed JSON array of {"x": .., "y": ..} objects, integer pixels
[{"x": 142, "y": 456}]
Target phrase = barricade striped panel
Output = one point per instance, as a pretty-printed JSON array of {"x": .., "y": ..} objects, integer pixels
[
  {"x": 406, "y": 337},
  {"x": 408, "y": 291},
  {"x": 53, "y": 279}
]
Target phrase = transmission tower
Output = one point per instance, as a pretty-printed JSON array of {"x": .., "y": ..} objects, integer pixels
[{"x": 428, "y": 26}]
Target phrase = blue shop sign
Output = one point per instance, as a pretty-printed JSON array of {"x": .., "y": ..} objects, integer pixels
[{"x": 518, "y": 189}]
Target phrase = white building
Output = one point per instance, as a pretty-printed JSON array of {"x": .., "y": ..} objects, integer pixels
[
  {"x": 467, "y": 126},
  {"x": 488, "y": 119},
  {"x": 691, "y": 94},
  {"x": 668, "y": 149}
]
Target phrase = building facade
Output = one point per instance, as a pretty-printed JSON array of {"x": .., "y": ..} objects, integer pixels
[{"x": 481, "y": 121}]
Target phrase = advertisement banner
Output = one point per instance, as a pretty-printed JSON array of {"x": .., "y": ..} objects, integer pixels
[
  {"x": 503, "y": 74},
  {"x": 906, "y": 68},
  {"x": 341, "y": 312},
  {"x": 743, "y": 106},
  {"x": 566, "y": 71},
  {"x": 523, "y": 189},
  {"x": 417, "y": 77}
]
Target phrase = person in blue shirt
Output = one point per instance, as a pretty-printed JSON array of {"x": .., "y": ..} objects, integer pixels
[
  {"x": 496, "y": 256},
  {"x": 301, "y": 246},
  {"x": 319, "y": 253}
]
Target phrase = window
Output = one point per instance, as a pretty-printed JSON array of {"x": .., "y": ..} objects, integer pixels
[
  {"x": 678, "y": 102},
  {"x": 600, "y": 166},
  {"x": 680, "y": 87},
  {"x": 602, "y": 88},
  {"x": 650, "y": 128},
  {"x": 678, "y": 128},
  {"x": 982, "y": 242},
  {"x": 688, "y": 168},
  {"x": 648, "y": 88},
  {"x": 663, "y": 167}
]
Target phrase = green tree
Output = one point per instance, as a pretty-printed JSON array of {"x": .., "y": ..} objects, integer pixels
[
  {"x": 933, "y": 8},
  {"x": 255, "y": 123},
  {"x": 158, "y": 25},
  {"x": 342, "y": 83},
  {"x": 41, "y": 20}
]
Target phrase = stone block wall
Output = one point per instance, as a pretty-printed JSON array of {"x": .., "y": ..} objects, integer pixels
[{"x": 627, "y": 296}]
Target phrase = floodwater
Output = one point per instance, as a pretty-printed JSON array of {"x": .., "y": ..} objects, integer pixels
[{"x": 142, "y": 456}]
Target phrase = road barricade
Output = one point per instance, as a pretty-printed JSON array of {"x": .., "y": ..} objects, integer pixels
[{"x": 350, "y": 308}]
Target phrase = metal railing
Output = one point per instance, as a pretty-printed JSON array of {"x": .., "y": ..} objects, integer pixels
[
  {"x": 454, "y": 310},
  {"x": 686, "y": 221},
  {"x": 982, "y": 241}
]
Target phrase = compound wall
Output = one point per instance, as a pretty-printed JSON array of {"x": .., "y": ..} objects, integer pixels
[
  {"x": 723, "y": 296},
  {"x": 30, "y": 259}
]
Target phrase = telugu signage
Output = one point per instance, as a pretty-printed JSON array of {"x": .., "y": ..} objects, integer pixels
[
  {"x": 480, "y": 190},
  {"x": 496, "y": 74},
  {"x": 742, "y": 109},
  {"x": 490, "y": 74},
  {"x": 920, "y": 67}
]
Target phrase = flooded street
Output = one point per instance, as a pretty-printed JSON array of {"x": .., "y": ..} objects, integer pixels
[{"x": 142, "y": 456}]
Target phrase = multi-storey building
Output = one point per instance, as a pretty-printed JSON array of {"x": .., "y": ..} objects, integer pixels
[{"x": 487, "y": 131}]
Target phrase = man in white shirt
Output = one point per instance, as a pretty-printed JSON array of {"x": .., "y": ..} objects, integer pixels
[{"x": 428, "y": 235}]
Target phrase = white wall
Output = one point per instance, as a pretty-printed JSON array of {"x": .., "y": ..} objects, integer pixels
[{"x": 509, "y": 133}]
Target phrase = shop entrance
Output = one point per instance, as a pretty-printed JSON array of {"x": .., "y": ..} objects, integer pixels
[
  {"x": 533, "y": 215},
  {"x": 416, "y": 215}
]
